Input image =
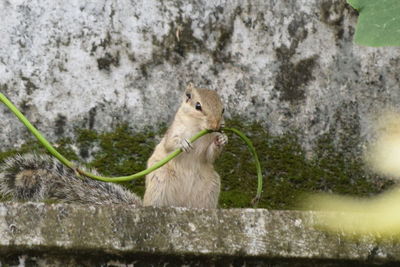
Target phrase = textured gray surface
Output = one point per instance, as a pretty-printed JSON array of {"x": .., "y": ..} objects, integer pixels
[
  {"x": 289, "y": 64},
  {"x": 123, "y": 232}
]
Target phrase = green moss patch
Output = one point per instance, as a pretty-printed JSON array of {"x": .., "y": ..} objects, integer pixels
[
  {"x": 286, "y": 170},
  {"x": 288, "y": 174}
]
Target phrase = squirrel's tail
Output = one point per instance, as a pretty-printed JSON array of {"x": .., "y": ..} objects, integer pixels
[{"x": 32, "y": 177}]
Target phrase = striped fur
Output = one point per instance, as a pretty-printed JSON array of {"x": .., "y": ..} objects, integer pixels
[{"x": 33, "y": 177}]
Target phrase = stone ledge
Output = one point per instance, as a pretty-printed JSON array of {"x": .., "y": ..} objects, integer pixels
[{"x": 103, "y": 234}]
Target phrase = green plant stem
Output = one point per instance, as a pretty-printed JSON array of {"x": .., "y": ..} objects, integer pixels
[
  {"x": 35, "y": 132},
  {"x": 172, "y": 155},
  {"x": 146, "y": 171},
  {"x": 257, "y": 162}
]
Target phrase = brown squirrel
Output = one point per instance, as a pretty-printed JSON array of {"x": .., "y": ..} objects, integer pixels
[{"x": 188, "y": 180}]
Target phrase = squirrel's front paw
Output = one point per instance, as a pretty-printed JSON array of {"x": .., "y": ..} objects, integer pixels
[
  {"x": 221, "y": 139},
  {"x": 186, "y": 145}
]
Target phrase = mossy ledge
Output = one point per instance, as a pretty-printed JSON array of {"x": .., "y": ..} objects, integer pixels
[{"x": 288, "y": 173}]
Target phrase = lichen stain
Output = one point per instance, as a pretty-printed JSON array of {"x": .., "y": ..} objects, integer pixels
[
  {"x": 104, "y": 43},
  {"x": 108, "y": 60},
  {"x": 60, "y": 123},
  {"x": 332, "y": 13},
  {"x": 92, "y": 117},
  {"x": 224, "y": 38},
  {"x": 177, "y": 43},
  {"x": 29, "y": 85},
  {"x": 292, "y": 77},
  {"x": 180, "y": 40},
  {"x": 297, "y": 30},
  {"x": 109, "y": 50}
]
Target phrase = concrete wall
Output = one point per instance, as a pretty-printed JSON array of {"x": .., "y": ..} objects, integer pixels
[
  {"x": 37, "y": 234},
  {"x": 288, "y": 64}
]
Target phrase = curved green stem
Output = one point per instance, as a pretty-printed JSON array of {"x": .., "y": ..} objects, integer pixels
[
  {"x": 157, "y": 165},
  {"x": 146, "y": 171},
  {"x": 257, "y": 161},
  {"x": 35, "y": 132}
]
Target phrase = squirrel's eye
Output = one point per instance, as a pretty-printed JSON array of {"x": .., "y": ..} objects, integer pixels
[
  {"x": 223, "y": 110},
  {"x": 198, "y": 106}
]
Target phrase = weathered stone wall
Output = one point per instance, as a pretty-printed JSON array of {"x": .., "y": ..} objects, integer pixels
[
  {"x": 289, "y": 64},
  {"x": 37, "y": 234}
]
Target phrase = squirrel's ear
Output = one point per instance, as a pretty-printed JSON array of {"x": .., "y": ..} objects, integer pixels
[{"x": 188, "y": 92}]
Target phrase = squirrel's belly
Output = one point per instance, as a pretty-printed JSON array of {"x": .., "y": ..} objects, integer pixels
[
  {"x": 200, "y": 186},
  {"x": 183, "y": 185}
]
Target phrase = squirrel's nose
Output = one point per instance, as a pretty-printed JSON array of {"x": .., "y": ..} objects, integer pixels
[{"x": 215, "y": 125}]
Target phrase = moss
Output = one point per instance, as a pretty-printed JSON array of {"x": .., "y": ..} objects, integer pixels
[
  {"x": 287, "y": 171},
  {"x": 86, "y": 140},
  {"x": 124, "y": 153},
  {"x": 63, "y": 145},
  {"x": 4, "y": 198},
  {"x": 29, "y": 146},
  {"x": 50, "y": 201}
]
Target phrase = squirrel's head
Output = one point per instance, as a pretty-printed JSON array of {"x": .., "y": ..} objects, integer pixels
[{"x": 205, "y": 106}]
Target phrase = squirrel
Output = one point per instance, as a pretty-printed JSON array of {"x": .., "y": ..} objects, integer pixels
[{"x": 189, "y": 180}]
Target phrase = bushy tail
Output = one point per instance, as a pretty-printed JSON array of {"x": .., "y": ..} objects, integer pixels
[{"x": 32, "y": 177}]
